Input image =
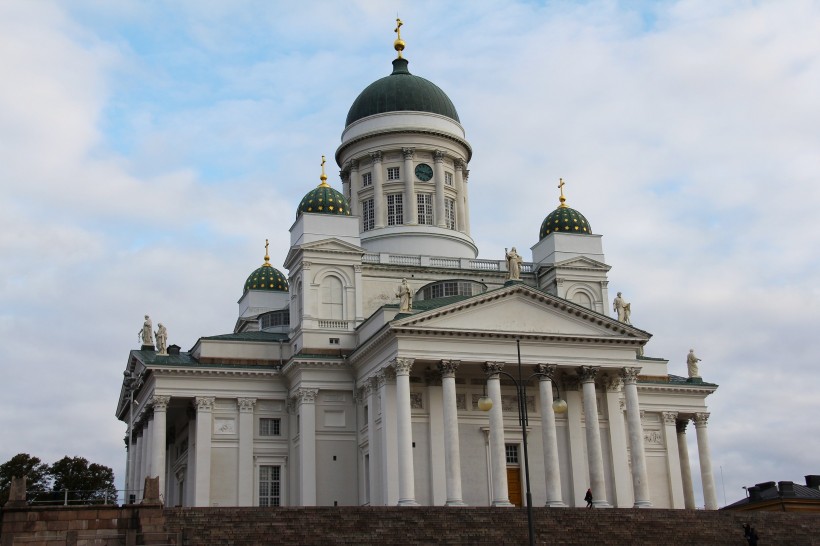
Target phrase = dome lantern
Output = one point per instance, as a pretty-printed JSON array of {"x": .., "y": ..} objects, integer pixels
[
  {"x": 323, "y": 199},
  {"x": 564, "y": 219},
  {"x": 266, "y": 277}
]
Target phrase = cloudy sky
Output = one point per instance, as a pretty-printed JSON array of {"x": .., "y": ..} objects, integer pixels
[{"x": 147, "y": 149}]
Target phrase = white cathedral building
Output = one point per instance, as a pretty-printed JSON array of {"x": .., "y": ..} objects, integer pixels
[{"x": 359, "y": 376}]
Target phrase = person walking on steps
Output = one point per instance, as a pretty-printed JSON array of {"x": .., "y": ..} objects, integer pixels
[{"x": 588, "y": 498}]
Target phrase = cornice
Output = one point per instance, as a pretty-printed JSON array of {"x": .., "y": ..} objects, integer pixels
[
  {"x": 312, "y": 364},
  {"x": 406, "y": 131},
  {"x": 216, "y": 372},
  {"x": 566, "y": 338},
  {"x": 674, "y": 388}
]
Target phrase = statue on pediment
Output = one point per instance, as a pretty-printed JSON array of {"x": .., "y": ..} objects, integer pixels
[
  {"x": 405, "y": 295},
  {"x": 692, "y": 363},
  {"x": 146, "y": 335},
  {"x": 514, "y": 261},
  {"x": 622, "y": 308},
  {"x": 162, "y": 339}
]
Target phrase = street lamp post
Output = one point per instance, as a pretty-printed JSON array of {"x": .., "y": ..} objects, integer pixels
[{"x": 559, "y": 406}]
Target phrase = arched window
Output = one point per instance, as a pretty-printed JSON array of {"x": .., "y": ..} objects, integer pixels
[
  {"x": 332, "y": 293},
  {"x": 582, "y": 299}
]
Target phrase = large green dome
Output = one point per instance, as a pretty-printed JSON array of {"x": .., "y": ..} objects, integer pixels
[
  {"x": 398, "y": 92},
  {"x": 565, "y": 220},
  {"x": 324, "y": 200},
  {"x": 267, "y": 277}
]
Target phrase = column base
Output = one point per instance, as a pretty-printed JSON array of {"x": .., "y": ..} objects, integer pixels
[
  {"x": 407, "y": 502},
  {"x": 504, "y": 504},
  {"x": 601, "y": 504},
  {"x": 555, "y": 504},
  {"x": 642, "y": 504},
  {"x": 455, "y": 503}
]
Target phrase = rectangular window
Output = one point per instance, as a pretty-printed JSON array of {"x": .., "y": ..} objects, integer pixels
[
  {"x": 270, "y": 426},
  {"x": 368, "y": 218},
  {"x": 425, "y": 207},
  {"x": 512, "y": 453},
  {"x": 392, "y": 173},
  {"x": 450, "y": 213},
  {"x": 448, "y": 178},
  {"x": 270, "y": 485},
  {"x": 367, "y": 179},
  {"x": 395, "y": 209}
]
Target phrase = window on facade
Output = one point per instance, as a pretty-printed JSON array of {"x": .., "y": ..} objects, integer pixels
[
  {"x": 425, "y": 207},
  {"x": 367, "y": 179},
  {"x": 512, "y": 453},
  {"x": 392, "y": 173},
  {"x": 368, "y": 218},
  {"x": 274, "y": 319},
  {"x": 332, "y": 307},
  {"x": 270, "y": 485},
  {"x": 450, "y": 213},
  {"x": 395, "y": 209},
  {"x": 443, "y": 289},
  {"x": 269, "y": 426},
  {"x": 448, "y": 178}
]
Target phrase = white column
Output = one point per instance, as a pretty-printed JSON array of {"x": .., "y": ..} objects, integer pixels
[
  {"x": 389, "y": 454},
  {"x": 404, "y": 427},
  {"x": 709, "y": 494},
  {"x": 673, "y": 458},
  {"x": 617, "y": 441},
  {"x": 245, "y": 462},
  {"x": 438, "y": 174},
  {"x": 355, "y": 186},
  {"x": 461, "y": 199},
  {"x": 379, "y": 205},
  {"x": 358, "y": 294},
  {"x": 437, "y": 473},
  {"x": 498, "y": 451},
  {"x": 160, "y": 404},
  {"x": 452, "y": 452},
  {"x": 371, "y": 391},
  {"x": 135, "y": 464},
  {"x": 306, "y": 398},
  {"x": 580, "y": 471},
  {"x": 147, "y": 445},
  {"x": 204, "y": 427},
  {"x": 466, "y": 201},
  {"x": 640, "y": 485},
  {"x": 411, "y": 210},
  {"x": 595, "y": 459},
  {"x": 685, "y": 468},
  {"x": 190, "y": 471},
  {"x": 549, "y": 437}
]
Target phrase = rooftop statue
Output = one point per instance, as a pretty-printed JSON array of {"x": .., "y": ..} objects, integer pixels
[{"x": 145, "y": 334}]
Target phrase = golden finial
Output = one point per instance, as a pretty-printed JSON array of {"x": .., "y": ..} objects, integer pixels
[
  {"x": 267, "y": 258},
  {"x": 398, "y": 45},
  {"x": 562, "y": 198},
  {"x": 323, "y": 178}
]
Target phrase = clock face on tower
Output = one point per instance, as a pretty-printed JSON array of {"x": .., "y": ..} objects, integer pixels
[{"x": 424, "y": 172}]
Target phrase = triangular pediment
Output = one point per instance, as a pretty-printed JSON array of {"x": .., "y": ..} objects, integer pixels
[
  {"x": 332, "y": 245},
  {"x": 582, "y": 262},
  {"x": 519, "y": 310}
]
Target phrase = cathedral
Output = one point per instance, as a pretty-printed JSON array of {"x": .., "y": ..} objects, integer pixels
[{"x": 385, "y": 364}]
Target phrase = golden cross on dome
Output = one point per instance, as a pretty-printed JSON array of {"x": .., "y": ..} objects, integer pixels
[
  {"x": 267, "y": 258},
  {"x": 561, "y": 185},
  {"x": 398, "y": 45},
  {"x": 323, "y": 178}
]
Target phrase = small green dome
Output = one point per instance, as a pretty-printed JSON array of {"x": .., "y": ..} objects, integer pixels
[
  {"x": 398, "y": 92},
  {"x": 565, "y": 220},
  {"x": 324, "y": 200},
  {"x": 267, "y": 277}
]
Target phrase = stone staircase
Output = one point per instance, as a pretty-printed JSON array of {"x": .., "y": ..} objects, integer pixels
[{"x": 386, "y": 526}]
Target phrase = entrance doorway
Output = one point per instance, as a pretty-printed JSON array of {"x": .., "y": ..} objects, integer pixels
[{"x": 513, "y": 475}]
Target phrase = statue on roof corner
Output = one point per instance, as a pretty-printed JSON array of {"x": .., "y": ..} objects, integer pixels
[
  {"x": 405, "y": 295},
  {"x": 622, "y": 308},
  {"x": 692, "y": 364},
  {"x": 162, "y": 339},
  {"x": 145, "y": 334},
  {"x": 514, "y": 261}
]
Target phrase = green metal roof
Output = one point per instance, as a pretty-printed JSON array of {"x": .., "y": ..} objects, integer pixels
[
  {"x": 565, "y": 220},
  {"x": 249, "y": 336},
  {"x": 266, "y": 277},
  {"x": 323, "y": 199},
  {"x": 398, "y": 92}
]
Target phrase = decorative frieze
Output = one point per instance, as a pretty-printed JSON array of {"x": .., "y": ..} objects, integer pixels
[
  {"x": 461, "y": 401},
  {"x": 224, "y": 426},
  {"x": 416, "y": 401},
  {"x": 652, "y": 437}
]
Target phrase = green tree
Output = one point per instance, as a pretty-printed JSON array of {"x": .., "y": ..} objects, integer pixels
[
  {"x": 84, "y": 482},
  {"x": 23, "y": 464}
]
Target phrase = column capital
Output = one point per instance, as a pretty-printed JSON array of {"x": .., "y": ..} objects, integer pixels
[
  {"x": 354, "y": 164},
  {"x": 546, "y": 372},
  {"x": 160, "y": 403},
  {"x": 408, "y": 153},
  {"x": 700, "y": 419},
  {"x": 438, "y": 156},
  {"x": 614, "y": 383},
  {"x": 669, "y": 417},
  {"x": 402, "y": 366},
  {"x": 587, "y": 373},
  {"x": 630, "y": 375},
  {"x": 204, "y": 403},
  {"x": 306, "y": 396},
  {"x": 245, "y": 405},
  {"x": 680, "y": 426},
  {"x": 432, "y": 378},
  {"x": 460, "y": 164},
  {"x": 386, "y": 375},
  {"x": 376, "y": 156},
  {"x": 448, "y": 367},
  {"x": 492, "y": 369}
]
